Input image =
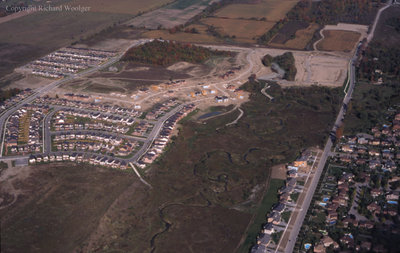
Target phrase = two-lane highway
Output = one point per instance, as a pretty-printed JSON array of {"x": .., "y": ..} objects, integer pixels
[{"x": 293, "y": 232}]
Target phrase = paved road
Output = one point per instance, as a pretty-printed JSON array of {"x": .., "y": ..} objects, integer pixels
[
  {"x": 378, "y": 15},
  {"x": 43, "y": 90},
  {"x": 291, "y": 239},
  {"x": 263, "y": 91}
]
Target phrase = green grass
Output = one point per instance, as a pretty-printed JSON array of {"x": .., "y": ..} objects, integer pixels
[
  {"x": 286, "y": 216},
  {"x": 270, "y": 198},
  {"x": 295, "y": 196},
  {"x": 276, "y": 236},
  {"x": 189, "y": 116}
]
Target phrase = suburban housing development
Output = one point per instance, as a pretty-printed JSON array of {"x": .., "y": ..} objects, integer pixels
[{"x": 199, "y": 126}]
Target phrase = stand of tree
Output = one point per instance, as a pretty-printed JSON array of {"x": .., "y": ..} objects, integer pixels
[
  {"x": 380, "y": 61},
  {"x": 166, "y": 53},
  {"x": 285, "y": 61},
  {"x": 335, "y": 11},
  {"x": 327, "y": 12},
  {"x": 6, "y": 94}
]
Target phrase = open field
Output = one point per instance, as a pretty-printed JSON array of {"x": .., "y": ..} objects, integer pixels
[
  {"x": 242, "y": 30},
  {"x": 35, "y": 35},
  {"x": 211, "y": 174},
  {"x": 271, "y": 10},
  {"x": 313, "y": 68},
  {"x": 58, "y": 205},
  {"x": 336, "y": 40},
  {"x": 170, "y": 16},
  {"x": 269, "y": 199},
  {"x": 322, "y": 70},
  {"x": 294, "y": 35},
  {"x": 197, "y": 184},
  {"x": 302, "y": 37},
  {"x": 288, "y": 31},
  {"x": 181, "y": 36},
  {"x": 121, "y": 6}
]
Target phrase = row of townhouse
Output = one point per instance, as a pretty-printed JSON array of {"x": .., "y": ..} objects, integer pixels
[
  {"x": 68, "y": 60},
  {"x": 15, "y": 99},
  {"x": 60, "y": 117},
  {"x": 22, "y": 137},
  {"x": 274, "y": 217},
  {"x": 95, "y": 142},
  {"x": 25, "y": 149},
  {"x": 106, "y": 138},
  {"x": 160, "y": 109},
  {"x": 105, "y": 108},
  {"x": 163, "y": 137},
  {"x": 91, "y": 126},
  {"x": 80, "y": 158},
  {"x": 142, "y": 128}
]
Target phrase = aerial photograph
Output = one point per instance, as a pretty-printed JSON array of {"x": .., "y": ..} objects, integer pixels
[{"x": 199, "y": 126}]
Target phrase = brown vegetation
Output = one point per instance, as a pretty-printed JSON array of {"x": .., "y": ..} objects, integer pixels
[{"x": 336, "y": 40}]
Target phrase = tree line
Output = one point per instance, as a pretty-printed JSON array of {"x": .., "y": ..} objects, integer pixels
[{"x": 6, "y": 94}]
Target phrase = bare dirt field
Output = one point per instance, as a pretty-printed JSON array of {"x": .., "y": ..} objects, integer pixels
[
  {"x": 23, "y": 80},
  {"x": 342, "y": 38},
  {"x": 320, "y": 69},
  {"x": 313, "y": 68},
  {"x": 272, "y": 10},
  {"x": 279, "y": 172},
  {"x": 335, "y": 40}
]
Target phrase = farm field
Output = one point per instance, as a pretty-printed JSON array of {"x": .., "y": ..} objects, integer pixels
[
  {"x": 35, "y": 35},
  {"x": 302, "y": 38},
  {"x": 182, "y": 36},
  {"x": 242, "y": 30},
  {"x": 336, "y": 40},
  {"x": 121, "y": 6},
  {"x": 294, "y": 35},
  {"x": 271, "y": 10},
  {"x": 171, "y": 15}
]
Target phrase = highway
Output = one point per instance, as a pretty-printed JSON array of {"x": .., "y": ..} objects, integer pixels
[{"x": 294, "y": 231}]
